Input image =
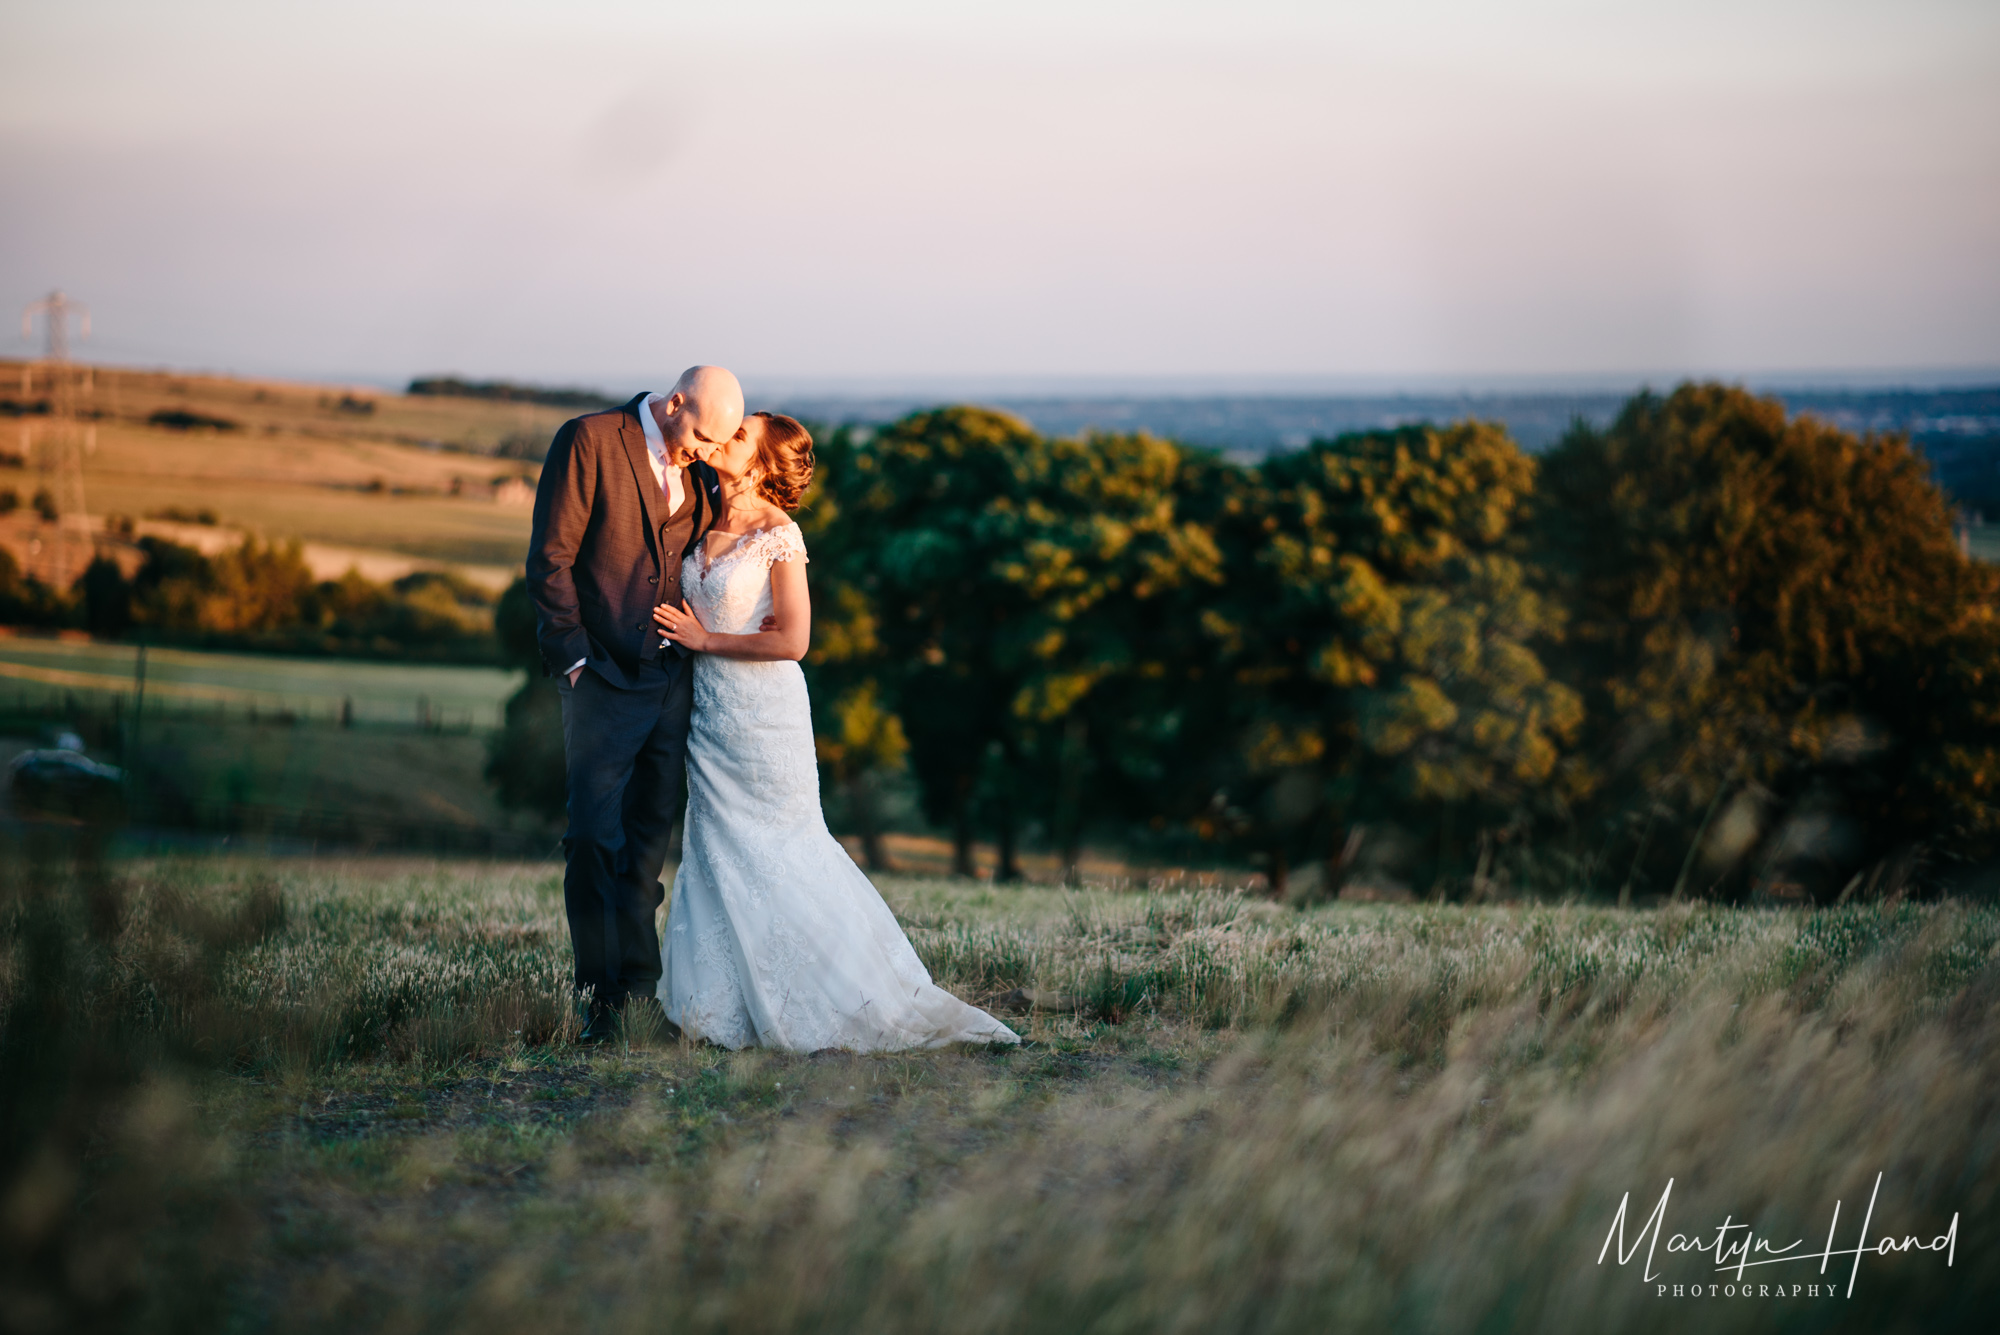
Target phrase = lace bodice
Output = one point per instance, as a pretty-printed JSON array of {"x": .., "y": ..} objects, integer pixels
[{"x": 731, "y": 593}]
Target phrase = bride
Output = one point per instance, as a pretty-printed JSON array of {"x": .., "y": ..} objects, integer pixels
[{"x": 775, "y": 938}]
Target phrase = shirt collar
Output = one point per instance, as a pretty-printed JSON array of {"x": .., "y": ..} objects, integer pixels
[{"x": 656, "y": 444}]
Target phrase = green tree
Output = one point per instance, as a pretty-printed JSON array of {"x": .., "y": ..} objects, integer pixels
[
  {"x": 1381, "y": 643},
  {"x": 106, "y": 598},
  {"x": 26, "y": 601},
  {"x": 933, "y": 508},
  {"x": 252, "y": 587},
  {"x": 996, "y": 588},
  {"x": 263, "y": 595},
  {"x": 861, "y": 742},
  {"x": 524, "y": 759},
  {"x": 1116, "y": 564},
  {"x": 1789, "y": 664},
  {"x": 858, "y": 736}
]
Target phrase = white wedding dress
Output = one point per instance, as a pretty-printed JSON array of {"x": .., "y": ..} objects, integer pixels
[{"x": 775, "y": 938}]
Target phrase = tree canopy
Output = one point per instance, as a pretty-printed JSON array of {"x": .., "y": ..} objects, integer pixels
[
  {"x": 1772, "y": 612},
  {"x": 1706, "y": 649}
]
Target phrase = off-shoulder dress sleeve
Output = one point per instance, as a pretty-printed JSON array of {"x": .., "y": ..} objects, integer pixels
[{"x": 784, "y": 543}]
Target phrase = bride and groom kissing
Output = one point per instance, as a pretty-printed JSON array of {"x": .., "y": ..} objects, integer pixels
[{"x": 671, "y": 607}]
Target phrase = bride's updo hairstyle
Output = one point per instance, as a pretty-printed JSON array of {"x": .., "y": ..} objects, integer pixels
[{"x": 785, "y": 460}]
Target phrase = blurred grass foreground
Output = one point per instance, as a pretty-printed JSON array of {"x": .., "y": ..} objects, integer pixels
[{"x": 340, "y": 1096}]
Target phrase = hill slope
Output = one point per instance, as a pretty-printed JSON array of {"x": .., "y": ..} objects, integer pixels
[{"x": 387, "y": 482}]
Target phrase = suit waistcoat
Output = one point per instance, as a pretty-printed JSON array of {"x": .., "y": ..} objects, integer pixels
[{"x": 676, "y": 532}]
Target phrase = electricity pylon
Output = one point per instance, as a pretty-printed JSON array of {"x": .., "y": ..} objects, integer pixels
[
  {"x": 55, "y": 310},
  {"x": 62, "y": 443}
]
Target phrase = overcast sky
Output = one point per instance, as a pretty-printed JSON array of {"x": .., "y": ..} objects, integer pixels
[{"x": 868, "y": 193}]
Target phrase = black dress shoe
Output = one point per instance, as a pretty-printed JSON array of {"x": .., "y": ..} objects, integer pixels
[{"x": 602, "y": 1027}]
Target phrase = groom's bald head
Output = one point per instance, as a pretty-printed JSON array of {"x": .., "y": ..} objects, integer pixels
[{"x": 704, "y": 409}]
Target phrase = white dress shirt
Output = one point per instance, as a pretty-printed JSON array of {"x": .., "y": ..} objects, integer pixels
[{"x": 667, "y": 479}]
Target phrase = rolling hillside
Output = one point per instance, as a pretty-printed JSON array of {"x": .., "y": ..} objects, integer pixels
[{"x": 383, "y": 482}]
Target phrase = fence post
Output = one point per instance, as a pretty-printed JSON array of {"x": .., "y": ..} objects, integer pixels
[{"x": 138, "y": 705}]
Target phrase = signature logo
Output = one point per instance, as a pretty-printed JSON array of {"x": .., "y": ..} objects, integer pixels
[{"x": 1737, "y": 1249}]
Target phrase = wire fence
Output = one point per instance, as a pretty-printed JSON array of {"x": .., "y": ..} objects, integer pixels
[
  {"x": 44, "y": 706},
  {"x": 274, "y": 823},
  {"x": 163, "y": 808}
]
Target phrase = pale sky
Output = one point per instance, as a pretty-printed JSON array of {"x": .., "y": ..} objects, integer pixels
[{"x": 832, "y": 193}]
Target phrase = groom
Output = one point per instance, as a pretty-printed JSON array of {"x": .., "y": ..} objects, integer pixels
[{"x": 624, "y": 495}]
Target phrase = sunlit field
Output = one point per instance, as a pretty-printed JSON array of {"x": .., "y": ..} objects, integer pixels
[
  {"x": 340, "y": 1096},
  {"x": 360, "y": 469},
  {"x": 181, "y": 681}
]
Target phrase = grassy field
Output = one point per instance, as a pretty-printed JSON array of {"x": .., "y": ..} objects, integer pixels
[
  {"x": 353, "y": 788},
  {"x": 34, "y": 668},
  {"x": 244, "y": 743},
  {"x": 251, "y": 746},
  {"x": 345, "y": 1098}
]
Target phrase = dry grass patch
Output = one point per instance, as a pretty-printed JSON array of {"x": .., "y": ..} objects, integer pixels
[{"x": 1378, "y": 1117}]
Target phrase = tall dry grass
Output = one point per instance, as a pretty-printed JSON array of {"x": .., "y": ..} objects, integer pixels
[
  {"x": 1422, "y": 1121},
  {"x": 1374, "y": 1118}
]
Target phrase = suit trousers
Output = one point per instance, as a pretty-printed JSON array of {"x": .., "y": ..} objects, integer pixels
[{"x": 626, "y": 749}]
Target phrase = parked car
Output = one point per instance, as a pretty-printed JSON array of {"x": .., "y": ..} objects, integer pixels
[{"x": 62, "y": 782}]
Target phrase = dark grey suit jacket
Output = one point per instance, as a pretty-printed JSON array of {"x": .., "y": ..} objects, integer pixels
[{"x": 604, "y": 552}]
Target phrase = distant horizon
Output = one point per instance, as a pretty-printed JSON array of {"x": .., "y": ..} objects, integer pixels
[
  {"x": 941, "y": 387},
  {"x": 1247, "y": 417}
]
